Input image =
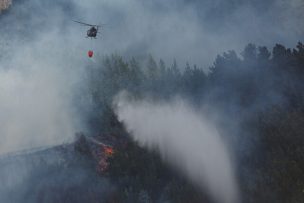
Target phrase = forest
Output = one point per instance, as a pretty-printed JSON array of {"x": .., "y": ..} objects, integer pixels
[{"x": 260, "y": 90}]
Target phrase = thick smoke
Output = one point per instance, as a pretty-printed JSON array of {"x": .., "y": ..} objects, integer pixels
[
  {"x": 35, "y": 101},
  {"x": 40, "y": 72},
  {"x": 43, "y": 51},
  {"x": 184, "y": 138}
]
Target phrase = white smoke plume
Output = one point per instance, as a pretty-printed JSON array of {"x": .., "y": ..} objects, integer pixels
[
  {"x": 38, "y": 83},
  {"x": 184, "y": 138}
]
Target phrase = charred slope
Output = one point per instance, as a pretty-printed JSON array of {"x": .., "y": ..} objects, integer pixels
[
  {"x": 57, "y": 174},
  {"x": 86, "y": 172}
]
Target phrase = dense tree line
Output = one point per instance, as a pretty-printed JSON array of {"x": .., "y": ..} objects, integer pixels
[{"x": 261, "y": 90}]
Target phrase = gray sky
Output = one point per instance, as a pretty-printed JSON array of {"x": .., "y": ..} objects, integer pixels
[
  {"x": 188, "y": 30},
  {"x": 194, "y": 31}
]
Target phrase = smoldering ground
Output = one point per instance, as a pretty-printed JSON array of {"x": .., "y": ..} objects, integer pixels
[
  {"x": 53, "y": 175},
  {"x": 184, "y": 138}
]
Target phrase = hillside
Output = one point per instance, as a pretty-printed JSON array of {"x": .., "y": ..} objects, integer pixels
[{"x": 268, "y": 142}]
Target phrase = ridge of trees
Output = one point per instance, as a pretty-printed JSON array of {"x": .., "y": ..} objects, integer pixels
[{"x": 262, "y": 88}]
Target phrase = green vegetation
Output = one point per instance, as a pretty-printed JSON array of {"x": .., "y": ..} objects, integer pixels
[{"x": 261, "y": 91}]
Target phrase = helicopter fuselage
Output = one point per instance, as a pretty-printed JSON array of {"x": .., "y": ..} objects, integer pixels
[{"x": 92, "y": 32}]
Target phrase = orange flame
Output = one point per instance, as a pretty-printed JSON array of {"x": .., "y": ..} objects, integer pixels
[{"x": 108, "y": 151}]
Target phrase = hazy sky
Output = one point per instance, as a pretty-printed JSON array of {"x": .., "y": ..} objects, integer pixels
[
  {"x": 188, "y": 30},
  {"x": 194, "y": 31}
]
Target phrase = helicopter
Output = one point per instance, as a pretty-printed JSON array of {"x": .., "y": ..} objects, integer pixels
[{"x": 92, "y": 32}]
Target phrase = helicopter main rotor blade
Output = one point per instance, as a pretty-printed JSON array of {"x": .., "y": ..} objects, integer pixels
[{"x": 84, "y": 23}]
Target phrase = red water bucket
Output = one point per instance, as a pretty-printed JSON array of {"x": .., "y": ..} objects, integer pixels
[{"x": 90, "y": 53}]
